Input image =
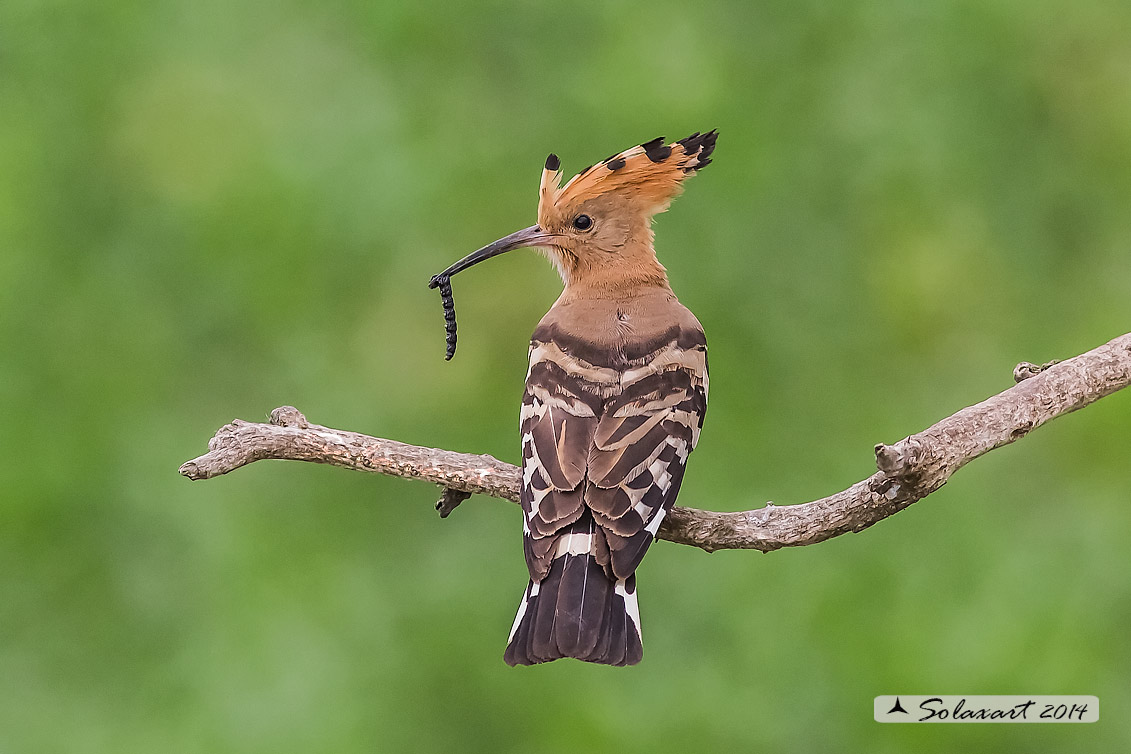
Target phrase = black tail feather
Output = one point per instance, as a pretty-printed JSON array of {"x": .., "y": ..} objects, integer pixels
[{"x": 577, "y": 611}]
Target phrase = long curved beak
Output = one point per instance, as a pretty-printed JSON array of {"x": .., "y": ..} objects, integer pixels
[{"x": 532, "y": 236}]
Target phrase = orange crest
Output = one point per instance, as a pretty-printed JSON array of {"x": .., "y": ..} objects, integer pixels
[{"x": 647, "y": 177}]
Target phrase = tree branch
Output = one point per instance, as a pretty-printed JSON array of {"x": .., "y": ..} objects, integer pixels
[{"x": 909, "y": 470}]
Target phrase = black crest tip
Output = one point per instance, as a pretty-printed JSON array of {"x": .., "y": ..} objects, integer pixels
[
  {"x": 659, "y": 154},
  {"x": 700, "y": 145},
  {"x": 689, "y": 143},
  {"x": 615, "y": 164},
  {"x": 708, "y": 143},
  {"x": 552, "y": 162}
]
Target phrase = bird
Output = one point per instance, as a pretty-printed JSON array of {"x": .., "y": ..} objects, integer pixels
[{"x": 614, "y": 400}]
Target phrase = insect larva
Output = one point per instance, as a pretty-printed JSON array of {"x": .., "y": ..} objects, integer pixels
[{"x": 445, "y": 286}]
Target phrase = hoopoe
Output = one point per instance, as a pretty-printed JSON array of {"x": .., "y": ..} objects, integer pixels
[{"x": 615, "y": 398}]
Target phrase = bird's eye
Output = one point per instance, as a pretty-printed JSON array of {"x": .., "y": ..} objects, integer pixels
[{"x": 583, "y": 222}]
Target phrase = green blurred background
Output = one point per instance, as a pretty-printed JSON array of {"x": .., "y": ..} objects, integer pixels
[{"x": 210, "y": 209}]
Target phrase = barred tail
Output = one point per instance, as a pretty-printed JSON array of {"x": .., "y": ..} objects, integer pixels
[{"x": 577, "y": 611}]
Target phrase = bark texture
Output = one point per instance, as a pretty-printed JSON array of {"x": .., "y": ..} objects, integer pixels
[{"x": 908, "y": 470}]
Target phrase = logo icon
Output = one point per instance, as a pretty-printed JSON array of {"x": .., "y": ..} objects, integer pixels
[{"x": 897, "y": 707}]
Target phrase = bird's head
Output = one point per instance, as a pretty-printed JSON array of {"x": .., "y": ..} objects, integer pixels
[{"x": 597, "y": 227}]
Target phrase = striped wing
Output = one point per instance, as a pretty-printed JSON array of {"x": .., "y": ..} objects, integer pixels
[
  {"x": 559, "y": 416},
  {"x": 639, "y": 454},
  {"x": 613, "y": 441}
]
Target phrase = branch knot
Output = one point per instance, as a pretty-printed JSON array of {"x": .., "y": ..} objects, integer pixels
[
  {"x": 1025, "y": 370},
  {"x": 289, "y": 416}
]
